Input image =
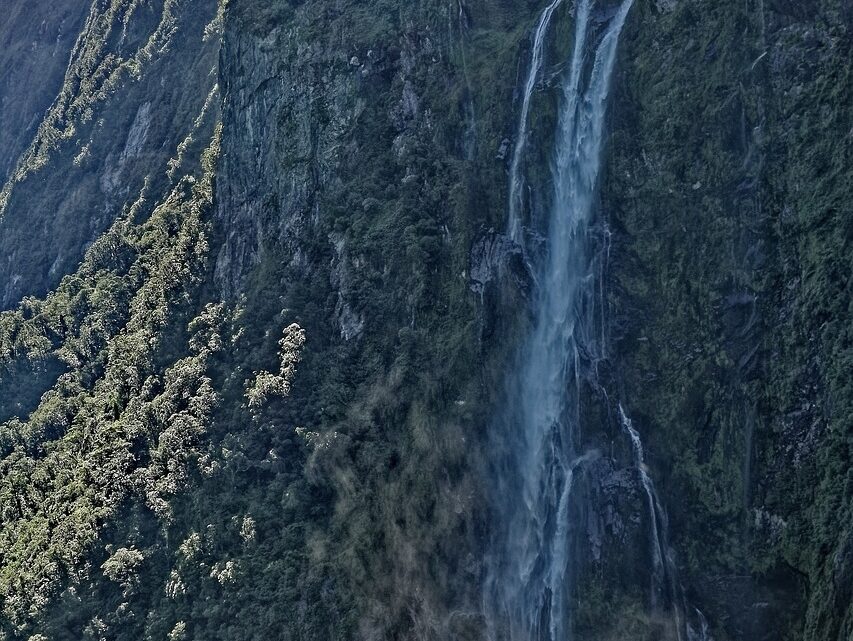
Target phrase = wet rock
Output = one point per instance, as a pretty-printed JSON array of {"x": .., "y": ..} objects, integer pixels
[
  {"x": 503, "y": 150},
  {"x": 493, "y": 256},
  {"x": 350, "y": 322},
  {"x": 616, "y": 514}
]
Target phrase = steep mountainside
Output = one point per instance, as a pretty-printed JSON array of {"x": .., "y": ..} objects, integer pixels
[{"x": 272, "y": 273}]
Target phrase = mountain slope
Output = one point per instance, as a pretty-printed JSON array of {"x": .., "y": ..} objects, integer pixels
[{"x": 261, "y": 310}]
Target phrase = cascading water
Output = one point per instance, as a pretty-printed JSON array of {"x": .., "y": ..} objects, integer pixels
[
  {"x": 516, "y": 182},
  {"x": 527, "y": 594},
  {"x": 665, "y": 581}
]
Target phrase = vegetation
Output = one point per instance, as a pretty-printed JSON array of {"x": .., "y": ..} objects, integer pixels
[
  {"x": 259, "y": 407},
  {"x": 119, "y": 420},
  {"x": 731, "y": 292}
]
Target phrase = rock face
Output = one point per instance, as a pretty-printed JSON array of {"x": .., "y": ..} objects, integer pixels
[
  {"x": 735, "y": 424},
  {"x": 198, "y": 194},
  {"x": 493, "y": 256}
]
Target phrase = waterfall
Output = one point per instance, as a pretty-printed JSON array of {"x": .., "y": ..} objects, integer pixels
[
  {"x": 527, "y": 593},
  {"x": 516, "y": 183},
  {"x": 662, "y": 565},
  {"x": 665, "y": 579},
  {"x": 655, "y": 537}
]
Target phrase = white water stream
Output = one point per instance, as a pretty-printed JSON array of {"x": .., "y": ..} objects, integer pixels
[
  {"x": 516, "y": 180},
  {"x": 665, "y": 580},
  {"x": 528, "y": 586}
]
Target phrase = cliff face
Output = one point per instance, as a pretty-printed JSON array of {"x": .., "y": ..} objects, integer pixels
[
  {"x": 94, "y": 106},
  {"x": 727, "y": 184},
  {"x": 36, "y": 40},
  {"x": 262, "y": 405}
]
